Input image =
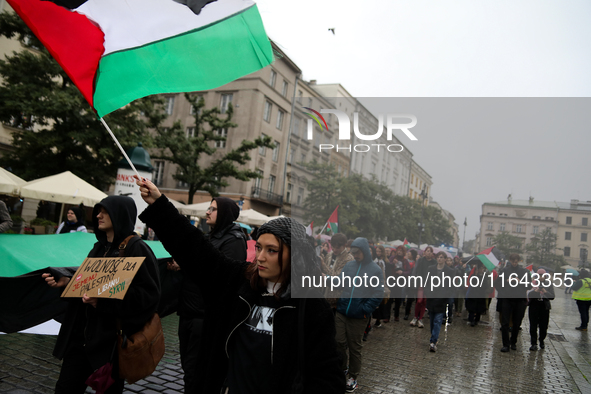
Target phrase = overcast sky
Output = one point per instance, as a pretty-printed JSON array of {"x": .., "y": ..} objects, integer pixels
[{"x": 528, "y": 48}]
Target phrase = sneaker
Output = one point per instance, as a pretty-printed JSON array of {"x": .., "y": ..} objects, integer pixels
[
  {"x": 405, "y": 317},
  {"x": 413, "y": 322},
  {"x": 351, "y": 385},
  {"x": 533, "y": 348},
  {"x": 581, "y": 328},
  {"x": 364, "y": 337},
  {"x": 448, "y": 321},
  {"x": 432, "y": 347},
  {"x": 513, "y": 347},
  {"x": 346, "y": 372},
  {"x": 420, "y": 324},
  {"x": 542, "y": 346},
  {"x": 378, "y": 325},
  {"x": 505, "y": 349}
]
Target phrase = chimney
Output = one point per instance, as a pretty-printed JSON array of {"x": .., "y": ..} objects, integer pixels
[{"x": 312, "y": 82}]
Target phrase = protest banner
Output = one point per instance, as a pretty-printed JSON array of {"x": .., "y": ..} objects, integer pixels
[{"x": 103, "y": 277}]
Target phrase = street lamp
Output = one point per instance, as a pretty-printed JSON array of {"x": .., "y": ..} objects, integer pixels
[
  {"x": 464, "y": 240},
  {"x": 423, "y": 196}
]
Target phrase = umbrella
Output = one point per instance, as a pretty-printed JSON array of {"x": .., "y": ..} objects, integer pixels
[
  {"x": 66, "y": 188},
  {"x": 9, "y": 183},
  {"x": 437, "y": 250},
  {"x": 198, "y": 209},
  {"x": 275, "y": 217},
  {"x": 252, "y": 217},
  {"x": 572, "y": 271}
]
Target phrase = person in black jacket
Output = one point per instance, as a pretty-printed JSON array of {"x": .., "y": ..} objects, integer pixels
[
  {"x": 88, "y": 334},
  {"x": 539, "y": 298},
  {"x": 256, "y": 337},
  {"x": 513, "y": 297},
  {"x": 228, "y": 238},
  {"x": 437, "y": 294}
]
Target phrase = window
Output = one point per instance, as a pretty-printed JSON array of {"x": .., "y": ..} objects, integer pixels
[
  {"x": 267, "y": 113},
  {"x": 288, "y": 194},
  {"x": 221, "y": 133},
  {"x": 271, "y": 183},
  {"x": 502, "y": 227},
  {"x": 567, "y": 235},
  {"x": 279, "y": 124},
  {"x": 158, "y": 172},
  {"x": 190, "y": 132},
  {"x": 536, "y": 229},
  {"x": 309, "y": 101},
  {"x": 296, "y": 126},
  {"x": 583, "y": 254},
  {"x": 257, "y": 181},
  {"x": 548, "y": 218},
  {"x": 567, "y": 251},
  {"x": 583, "y": 237},
  {"x": 490, "y": 226},
  {"x": 584, "y": 221},
  {"x": 192, "y": 111},
  {"x": 273, "y": 78},
  {"x": 291, "y": 154},
  {"x": 169, "y": 105},
  {"x": 262, "y": 149},
  {"x": 299, "y": 96},
  {"x": 569, "y": 220},
  {"x": 225, "y": 102},
  {"x": 303, "y": 157},
  {"x": 300, "y": 196},
  {"x": 488, "y": 241},
  {"x": 518, "y": 228},
  {"x": 276, "y": 151},
  {"x": 284, "y": 89}
]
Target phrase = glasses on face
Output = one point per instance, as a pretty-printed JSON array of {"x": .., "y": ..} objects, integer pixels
[{"x": 211, "y": 209}]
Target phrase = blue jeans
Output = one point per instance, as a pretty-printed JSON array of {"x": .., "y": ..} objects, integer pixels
[{"x": 435, "y": 319}]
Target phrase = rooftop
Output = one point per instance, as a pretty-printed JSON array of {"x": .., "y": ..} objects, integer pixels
[{"x": 572, "y": 205}]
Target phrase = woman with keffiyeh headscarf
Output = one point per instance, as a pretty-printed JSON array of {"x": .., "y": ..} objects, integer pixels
[{"x": 257, "y": 338}]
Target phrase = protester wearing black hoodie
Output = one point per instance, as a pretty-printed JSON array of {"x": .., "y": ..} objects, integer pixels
[
  {"x": 74, "y": 222},
  {"x": 228, "y": 238},
  {"x": 88, "y": 334}
]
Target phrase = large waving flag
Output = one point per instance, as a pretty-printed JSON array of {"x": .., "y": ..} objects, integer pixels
[
  {"x": 488, "y": 258},
  {"x": 310, "y": 229},
  {"x": 117, "y": 51}
]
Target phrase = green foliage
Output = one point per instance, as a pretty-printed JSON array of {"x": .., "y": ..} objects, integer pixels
[
  {"x": 507, "y": 243},
  {"x": 53, "y": 127},
  {"x": 370, "y": 209},
  {"x": 541, "y": 250},
  {"x": 186, "y": 151},
  {"x": 42, "y": 222}
]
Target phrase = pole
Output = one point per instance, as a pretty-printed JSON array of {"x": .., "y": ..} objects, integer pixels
[
  {"x": 464, "y": 240},
  {"x": 295, "y": 88},
  {"x": 120, "y": 147}
]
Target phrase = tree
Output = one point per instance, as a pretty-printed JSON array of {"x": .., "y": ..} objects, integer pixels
[
  {"x": 53, "y": 128},
  {"x": 368, "y": 208},
  {"x": 541, "y": 250},
  {"x": 507, "y": 243},
  {"x": 186, "y": 151}
]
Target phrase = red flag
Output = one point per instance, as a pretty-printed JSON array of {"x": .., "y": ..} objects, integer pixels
[{"x": 530, "y": 268}]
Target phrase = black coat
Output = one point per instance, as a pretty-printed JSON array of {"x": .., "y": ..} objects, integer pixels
[
  {"x": 228, "y": 294},
  {"x": 231, "y": 242},
  {"x": 438, "y": 296},
  {"x": 96, "y": 327}
]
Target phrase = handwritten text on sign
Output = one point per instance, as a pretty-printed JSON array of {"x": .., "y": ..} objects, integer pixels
[{"x": 104, "y": 277}]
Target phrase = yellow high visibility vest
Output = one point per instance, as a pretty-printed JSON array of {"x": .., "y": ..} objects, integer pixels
[{"x": 584, "y": 293}]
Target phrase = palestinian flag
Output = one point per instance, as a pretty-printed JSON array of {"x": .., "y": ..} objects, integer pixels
[
  {"x": 488, "y": 258},
  {"x": 530, "y": 268},
  {"x": 405, "y": 244},
  {"x": 310, "y": 229},
  {"x": 117, "y": 51},
  {"x": 333, "y": 221}
]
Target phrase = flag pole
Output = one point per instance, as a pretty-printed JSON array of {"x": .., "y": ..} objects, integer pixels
[{"x": 120, "y": 147}]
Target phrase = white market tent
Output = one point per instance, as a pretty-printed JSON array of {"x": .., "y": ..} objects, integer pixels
[
  {"x": 252, "y": 217},
  {"x": 198, "y": 209},
  {"x": 66, "y": 188},
  {"x": 275, "y": 217},
  {"x": 9, "y": 183}
]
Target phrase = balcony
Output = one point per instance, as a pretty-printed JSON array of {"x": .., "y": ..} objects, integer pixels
[{"x": 266, "y": 196}]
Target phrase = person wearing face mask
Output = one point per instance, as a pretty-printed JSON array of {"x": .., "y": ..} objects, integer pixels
[
  {"x": 74, "y": 222},
  {"x": 256, "y": 337},
  {"x": 227, "y": 237}
]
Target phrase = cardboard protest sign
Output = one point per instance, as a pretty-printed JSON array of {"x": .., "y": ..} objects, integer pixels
[{"x": 103, "y": 277}]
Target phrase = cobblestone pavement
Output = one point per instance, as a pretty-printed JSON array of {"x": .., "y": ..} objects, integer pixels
[{"x": 396, "y": 360}]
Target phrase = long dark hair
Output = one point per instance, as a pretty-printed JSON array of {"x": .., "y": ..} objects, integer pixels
[{"x": 258, "y": 283}]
